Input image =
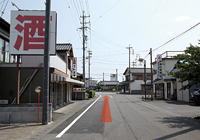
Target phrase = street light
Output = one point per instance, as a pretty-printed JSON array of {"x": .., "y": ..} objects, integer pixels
[{"x": 141, "y": 60}]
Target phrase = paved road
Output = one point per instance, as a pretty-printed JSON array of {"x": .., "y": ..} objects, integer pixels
[{"x": 132, "y": 119}]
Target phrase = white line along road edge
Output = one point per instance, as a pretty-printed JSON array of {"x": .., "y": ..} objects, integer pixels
[{"x": 72, "y": 123}]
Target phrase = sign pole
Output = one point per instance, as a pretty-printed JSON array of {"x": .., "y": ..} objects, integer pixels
[
  {"x": 38, "y": 89},
  {"x": 38, "y": 107}
]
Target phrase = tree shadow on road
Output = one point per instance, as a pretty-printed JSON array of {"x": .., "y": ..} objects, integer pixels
[
  {"x": 185, "y": 123},
  {"x": 175, "y": 102}
]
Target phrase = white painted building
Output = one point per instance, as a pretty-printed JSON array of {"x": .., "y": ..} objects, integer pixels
[
  {"x": 167, "y": 88},
  {"x": 136, "y": 83}
]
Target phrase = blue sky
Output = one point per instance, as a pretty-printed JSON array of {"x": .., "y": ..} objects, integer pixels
[{"x": 115, "y": 24}]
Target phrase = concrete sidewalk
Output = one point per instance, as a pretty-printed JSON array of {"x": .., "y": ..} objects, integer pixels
[{"x": 24, "y": 131}]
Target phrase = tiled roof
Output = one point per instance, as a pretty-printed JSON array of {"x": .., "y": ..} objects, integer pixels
[{"x": 64, "y": 47}]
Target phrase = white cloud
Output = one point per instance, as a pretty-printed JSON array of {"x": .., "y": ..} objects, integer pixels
[{"x": 181, "y": 18}]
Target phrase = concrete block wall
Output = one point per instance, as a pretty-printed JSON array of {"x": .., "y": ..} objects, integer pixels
[{"x": 25, "y": 113}]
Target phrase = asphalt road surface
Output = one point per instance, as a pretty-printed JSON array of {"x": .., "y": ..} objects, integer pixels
[{"x": 131, "y": 119}]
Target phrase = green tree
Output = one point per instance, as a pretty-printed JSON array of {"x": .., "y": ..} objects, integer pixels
[
  {"x": 188, "y": 67},
  {"x": 97, "y": 87}
]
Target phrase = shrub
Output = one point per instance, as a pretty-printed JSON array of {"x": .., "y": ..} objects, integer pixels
[
  {"x": 92, "y": 93},
  {"x": 87, "y": 90}
]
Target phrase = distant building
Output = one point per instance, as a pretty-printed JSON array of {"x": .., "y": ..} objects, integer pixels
[
  {"x": 136, "y": 83},
  {"x": 90, "y": 82},
  {"x": 113, "y": 77},
  {"x": 108, "y": 85}
]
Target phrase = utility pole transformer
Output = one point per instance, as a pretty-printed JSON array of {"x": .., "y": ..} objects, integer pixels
[
  {"x": 83, "y": 29},
  {"x": 129, "y": 67}
]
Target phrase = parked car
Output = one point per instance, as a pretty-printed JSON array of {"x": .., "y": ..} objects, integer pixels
[{"x": 195, "y": 96}]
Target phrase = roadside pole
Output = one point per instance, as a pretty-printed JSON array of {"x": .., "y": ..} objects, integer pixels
[
  {"x": 45, "y": 102},
  {"x": 38, "y": 90},
  {"x": 151, "y": 75},
  {"x": 145, "y": 79},
  {"x": 129, "y": 68}
]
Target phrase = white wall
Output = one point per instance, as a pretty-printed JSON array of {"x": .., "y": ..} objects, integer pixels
[
  {"x": 36, "y": 61},
  {"x": 168, "y": 66},
  {"x": 57, "y": 63},
  {"x": 31, "y": 61},
  {"x": 136, "y": 85}
]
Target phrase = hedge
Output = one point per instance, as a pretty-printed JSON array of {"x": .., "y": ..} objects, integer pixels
[{"x": 92, "y": 93}]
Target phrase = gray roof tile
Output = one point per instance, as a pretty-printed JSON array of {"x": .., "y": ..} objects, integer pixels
[{"x": 63, "y": 47}]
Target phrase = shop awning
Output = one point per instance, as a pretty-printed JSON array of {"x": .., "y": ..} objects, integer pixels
[
  {"x": 124, "y": 83},
  {"x": 58, "y": 78},
  {"x": 154, "y": 81},
  {"x": 74, "y": 81}
]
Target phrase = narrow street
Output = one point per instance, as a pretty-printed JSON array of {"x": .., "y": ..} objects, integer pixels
[{"x": 132, "y": 119}]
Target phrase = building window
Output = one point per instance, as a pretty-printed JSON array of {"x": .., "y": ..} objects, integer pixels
[
  {"x": 135, "y": 77},
  {"x": 127, "y": 78},
  {"x": 148, "y": 77},
  {"x": 5, "y": 57},
  {"x": 2, "y": 50}
]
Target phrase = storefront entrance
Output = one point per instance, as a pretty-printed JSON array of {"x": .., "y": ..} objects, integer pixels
[
  {"x": 169, "y": 90},
  {"x": 159, "y": 91}
]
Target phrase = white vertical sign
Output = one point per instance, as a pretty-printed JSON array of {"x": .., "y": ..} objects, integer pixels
[
  {"x": 74, "y": 68},
  {"x": 159, "y": 66}
]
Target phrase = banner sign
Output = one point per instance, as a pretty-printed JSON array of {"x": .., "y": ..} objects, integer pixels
[
  {"x": 27, "y": 32},
  {"x": 159, "y": 66},
  {"x": 74, "y": 68}
]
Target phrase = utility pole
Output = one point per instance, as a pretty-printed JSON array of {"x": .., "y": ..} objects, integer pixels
[
  {"x": 145, "y": 79},
  {"x": 151, "y": 74},
  {"x": 116, "y": 75},
  {"x": 129, "y": 67},
  {"x": 84, "y": 40},
  {"x": 103, "y": 81},
  {"x": 45, "y": 103},
  {"x": 89, "y": 55}
]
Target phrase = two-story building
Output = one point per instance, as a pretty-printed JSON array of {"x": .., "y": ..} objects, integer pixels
[
  {"x": 136, "y": 83},
  {"x": 31, "y": 73},
  {"x": 165, "y": 87}
]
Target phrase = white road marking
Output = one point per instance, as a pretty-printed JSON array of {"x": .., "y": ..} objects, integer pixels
[{"x": 72, "y": 123}]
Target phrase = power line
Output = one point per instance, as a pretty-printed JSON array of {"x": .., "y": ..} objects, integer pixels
[
  {"x": 4, "y": 9},
  {"x": 87, "y": 6},
  {"x": 2, "y": 5},
  {"x": 148, "y": 23},
  {"x": 73, "y": 20},
  {"x": 75, "y": 7},
  {"x": 104, "y": 45},
  {"x": 2, "y": 1},
  {"x": 177, "y": 36},
  {"x": 106, "y": 39},
  {"x": 79, "y": 8},
  {"x": 107, "y": 11}
]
